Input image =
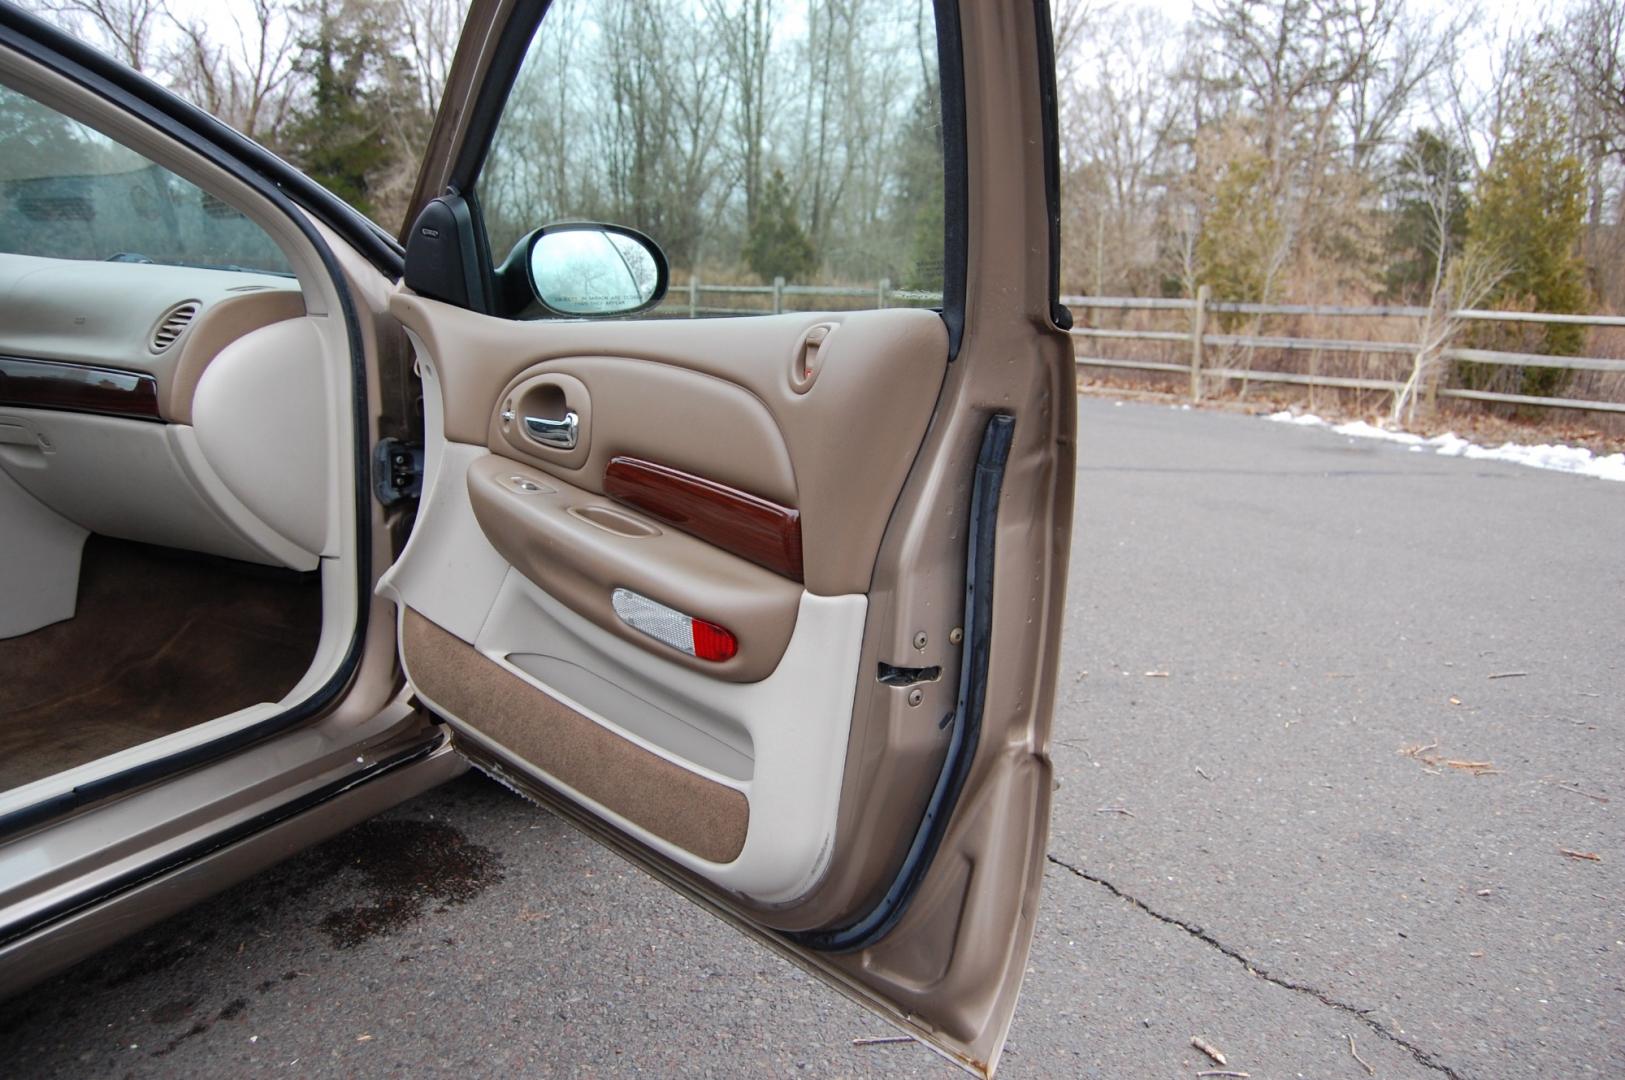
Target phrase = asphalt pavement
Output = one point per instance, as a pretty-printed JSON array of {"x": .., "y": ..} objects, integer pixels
[{"x": 1263, "y": 620}]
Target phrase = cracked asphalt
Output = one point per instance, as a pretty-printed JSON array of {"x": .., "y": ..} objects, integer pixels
[{"x": 1262, "y": 618}]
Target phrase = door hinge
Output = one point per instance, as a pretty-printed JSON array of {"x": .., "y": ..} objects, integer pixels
[{"x": 397, "y": 471}]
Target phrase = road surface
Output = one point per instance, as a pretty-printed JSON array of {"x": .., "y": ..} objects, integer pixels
[{"x": 1261, "y": 619}]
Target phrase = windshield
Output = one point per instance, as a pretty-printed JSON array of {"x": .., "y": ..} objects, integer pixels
[{"x": 69, "y": 192}]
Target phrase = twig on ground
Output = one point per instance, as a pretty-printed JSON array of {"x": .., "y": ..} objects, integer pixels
[
  {"x": 1156, "y": 674},
  {"x": 1420, "y": 754},
  {"x": 1209, "y": 1049},
  {"x": 1578, "y": 791},
  {"x": 1509, "y": 674},
  {"x": 1364, "y": 1064},
  {"x": 1588, "y": 856},
  {"x": 1202, "y": 774},
  {"x": 1477, "y": 768},
  {"x": 882, "y": 1040},
  {"x": 1125, "y": 811},
  {"x": 1222, "y": 1072}
]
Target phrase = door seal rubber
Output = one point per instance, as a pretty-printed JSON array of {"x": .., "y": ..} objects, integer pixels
[{"x": 966, "y": 728}]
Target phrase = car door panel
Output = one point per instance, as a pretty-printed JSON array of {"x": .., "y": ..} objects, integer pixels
[
  {"x": 867, "y": 791},
  {"x": 646, "y": 409},
  {"x": 760, "y": 739},
  {"x": 851, "y": 437},
  {"x": 582, "y": 548}
]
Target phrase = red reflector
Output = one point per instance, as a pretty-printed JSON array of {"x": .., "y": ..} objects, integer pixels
[{"x": 712, "y": 642}]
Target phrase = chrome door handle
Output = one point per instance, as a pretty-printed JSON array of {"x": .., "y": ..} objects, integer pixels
[{"x": 559, "y": 434}]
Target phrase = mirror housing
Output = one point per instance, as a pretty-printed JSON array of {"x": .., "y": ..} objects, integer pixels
[{"x": 586, "y": 269}]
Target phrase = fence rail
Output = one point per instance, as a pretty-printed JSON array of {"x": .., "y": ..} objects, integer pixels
[
  {"x": 1200, "y": 370},
  {"x": 781, "y": 296}
]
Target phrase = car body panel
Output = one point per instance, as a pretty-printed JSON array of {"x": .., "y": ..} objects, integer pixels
[
  {"x": 892, "y": 834},
  {"x": 508, "y": 633}
]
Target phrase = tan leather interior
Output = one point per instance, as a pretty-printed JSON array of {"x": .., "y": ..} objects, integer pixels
[
  {"x": 536, "y": 549},
  {"x": 881, "y": 455},
  {"x": 708, "y": 426},
  {"x": 105, "y": 313},
  {"x": 580, "y": 547},
  {"x": 851, "y": 438},
  {"x": 237, "y": 477},
  {"x": 700, "y": 815},
  {"x": 218, "y": 325}
]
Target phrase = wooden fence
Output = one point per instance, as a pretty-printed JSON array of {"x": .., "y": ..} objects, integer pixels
[
  {"x": 695, "y": 299},
  {"x": 1197, "y": 342}
]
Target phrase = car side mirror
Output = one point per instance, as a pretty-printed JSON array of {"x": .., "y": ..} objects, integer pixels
[{"x": 587, "y": 269}]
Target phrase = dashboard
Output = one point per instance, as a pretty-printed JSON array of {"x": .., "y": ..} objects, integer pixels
[{"x": 172, "y": 405}]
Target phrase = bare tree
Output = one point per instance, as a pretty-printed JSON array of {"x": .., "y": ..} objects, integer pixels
[
  {"x": 1400, "y": 53},
  {"x": 125, "y": 29},
  {"x": 246, "y": 76},
  {"x": 1121, "y": 105},
  {"x": 744, "y": 31},
  {"x": 1479, "y": 98},
  {"x": 1460, "y": 280},
  {"x": 429, "y": 30},
  {"x": 1590, "y": 49}
]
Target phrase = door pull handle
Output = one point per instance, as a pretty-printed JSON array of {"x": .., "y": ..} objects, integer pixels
[{"x": 559, "y": 434}]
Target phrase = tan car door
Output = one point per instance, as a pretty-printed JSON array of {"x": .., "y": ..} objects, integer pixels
[{"x": 872, "y": 508}]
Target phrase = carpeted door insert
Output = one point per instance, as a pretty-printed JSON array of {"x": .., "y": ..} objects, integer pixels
[
  {"x": 693, "y": 812},
  {"x": 162, "y": 640}
]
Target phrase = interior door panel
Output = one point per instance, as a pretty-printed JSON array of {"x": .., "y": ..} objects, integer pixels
[
  {"x": 732, "y": 769},
  {"x": 851, "y": 438},
  {"x": 580, "y": 548},
  {"x": 876, "y": 505}
]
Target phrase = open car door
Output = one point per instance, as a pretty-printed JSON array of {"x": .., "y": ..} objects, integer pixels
[{"x": 770, "y": 603}]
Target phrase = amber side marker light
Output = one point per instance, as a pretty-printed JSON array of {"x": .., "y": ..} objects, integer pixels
[{"x": 685, "y": 633}]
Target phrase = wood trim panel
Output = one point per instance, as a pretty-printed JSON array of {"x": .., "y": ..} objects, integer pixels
[
  {"x": 747, "y": 525},
  {"x": 50, "y": 384}
]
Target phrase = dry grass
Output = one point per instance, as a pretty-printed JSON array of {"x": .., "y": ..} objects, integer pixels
[{"x": 1482, "y": 422}]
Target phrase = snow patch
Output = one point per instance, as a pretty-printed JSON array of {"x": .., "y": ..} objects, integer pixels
[{"x": 1570, "y": 459}]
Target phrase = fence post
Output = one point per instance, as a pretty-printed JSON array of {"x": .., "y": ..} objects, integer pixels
[
  {"x": 1198, "y": 319},
  {"x": 883, "y": 292},
  {"x": 693, "y": 296},
  {"x": 778, "y": 295}
]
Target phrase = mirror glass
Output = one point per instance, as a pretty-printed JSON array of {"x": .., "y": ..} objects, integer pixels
[{"x": 593, "y": 271}]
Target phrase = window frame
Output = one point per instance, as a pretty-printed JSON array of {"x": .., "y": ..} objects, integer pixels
[{"x": 525, "y": 20}]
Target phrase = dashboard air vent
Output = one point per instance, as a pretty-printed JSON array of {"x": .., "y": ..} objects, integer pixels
[{"x": 173, "y": 324}]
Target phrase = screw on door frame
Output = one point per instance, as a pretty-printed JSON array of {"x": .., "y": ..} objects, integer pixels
[
  {"x": 920, "y": 639},
  {"x": 956, "y": 635},
  {"x": 915, "y": 696}
]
